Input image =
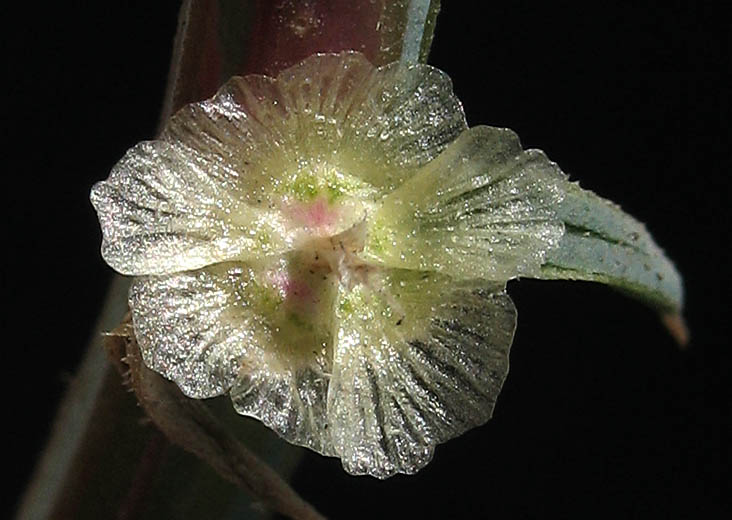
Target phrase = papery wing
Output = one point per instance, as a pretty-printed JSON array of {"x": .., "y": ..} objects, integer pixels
[
  {"x": 261, "y": 332},
  {"x": 483, "y": 209},
  {"x": 420, "y": 358},
  {"x": 163, "y": 210}
]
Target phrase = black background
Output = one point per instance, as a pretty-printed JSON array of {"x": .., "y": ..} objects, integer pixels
[{"x": 601, "y": 414}]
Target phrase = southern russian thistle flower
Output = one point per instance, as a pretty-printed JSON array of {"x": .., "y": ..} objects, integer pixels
[{"x": 331, "y": 248}]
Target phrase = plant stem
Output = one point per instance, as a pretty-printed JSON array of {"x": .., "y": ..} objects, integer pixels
[{"x": 188, "y": 423}]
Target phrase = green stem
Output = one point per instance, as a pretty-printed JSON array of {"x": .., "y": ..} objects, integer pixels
[{"x": 418, "y": 30}]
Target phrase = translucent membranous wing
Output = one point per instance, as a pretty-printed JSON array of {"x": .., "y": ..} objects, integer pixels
[
  {"x": 330, "y": 113},
  {"x": 163, "y": 209},
  {"x": 419, "y": 359},
  {"x": 405, "y": 117},
  {"x": 261, "y": 331},
  {"x": 484, "y": 208},
  {"x": 234, "y": 177}
]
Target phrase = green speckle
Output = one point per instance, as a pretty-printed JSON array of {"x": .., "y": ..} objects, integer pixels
[
  {"x": 297, "y": 320},
  {"x": 264, "y": 239},
  {"x": 346, "y": 307},
  {"x": 305, "y": 187},
  {"x": 378, "y": 238},
  {"x": 264, "y": 299},
  {"x": 376, "y": 244},
  {"x": 339, "y": 185},
  {"x": 334, "y": 192}
]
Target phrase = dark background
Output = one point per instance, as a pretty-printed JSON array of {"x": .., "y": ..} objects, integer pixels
[{"x": 601, "y": 415}]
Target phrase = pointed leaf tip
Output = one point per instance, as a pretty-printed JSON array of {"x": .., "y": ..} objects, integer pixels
[{"x": 676, "y": 326}]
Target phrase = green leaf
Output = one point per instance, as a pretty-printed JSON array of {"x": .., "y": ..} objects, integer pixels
[{"x": 604, "y": 244}]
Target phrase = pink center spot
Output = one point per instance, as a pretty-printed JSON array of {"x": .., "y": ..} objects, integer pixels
[
  {"x": 294, "y": 290},
  {"x": 317, "y": 215}
]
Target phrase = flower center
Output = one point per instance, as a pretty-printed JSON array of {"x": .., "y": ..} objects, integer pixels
[{"x": 302, "y": 289}]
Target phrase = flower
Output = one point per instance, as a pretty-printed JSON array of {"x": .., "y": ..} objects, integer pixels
[{"x": 331, "y": 247}]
